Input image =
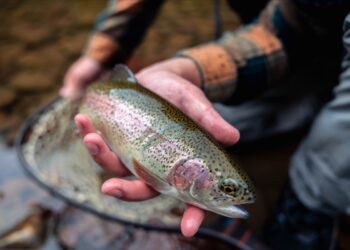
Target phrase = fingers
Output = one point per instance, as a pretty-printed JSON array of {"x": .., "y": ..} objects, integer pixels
[
  {"x": 181, "y": 66},
  {"x": 134, "y": 190},
  {"x": 98, "y": 149},
  {"x": 84, "y": 71},
  {"x": 84, "y": 125},
  {"x": 71, "y": 85},
  {"x": 191, "y": 220},
  {"x": 190, "y": 100},
  {"x": 137, "y": 190},
  {"x": 104, "y": 156},
  {"x": 199, "y": 108}
]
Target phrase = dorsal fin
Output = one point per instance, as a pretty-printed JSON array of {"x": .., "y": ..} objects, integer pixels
[{"x": 122, "y": 73}]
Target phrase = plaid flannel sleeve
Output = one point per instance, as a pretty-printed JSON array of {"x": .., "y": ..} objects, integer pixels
[
  {"x": 120, "y": 28},
  {"x": 253, "y": 56}
]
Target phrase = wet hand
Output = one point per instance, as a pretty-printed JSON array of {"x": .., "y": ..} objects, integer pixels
[
  {"x": 134, "y": 190},
  {"x": 83, "y": 72},
  {"x": 176, "y": 81}
]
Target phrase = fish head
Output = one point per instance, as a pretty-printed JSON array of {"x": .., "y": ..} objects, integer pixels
[{"x": 214, "y": 188}]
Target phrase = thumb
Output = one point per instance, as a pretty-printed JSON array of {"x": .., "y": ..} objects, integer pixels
[{"x": 84, "y": 71}]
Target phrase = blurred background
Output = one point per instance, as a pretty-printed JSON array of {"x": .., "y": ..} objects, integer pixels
[{"x": 38, "y": 41}]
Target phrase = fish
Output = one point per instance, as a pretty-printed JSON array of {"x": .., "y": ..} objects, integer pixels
[
  {"x": 165, "y": 148},
  {"x": 52, "y": 153}
]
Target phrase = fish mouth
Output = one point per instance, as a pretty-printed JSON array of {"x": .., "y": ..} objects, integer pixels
[
  {"x": 234, "y": 211},
  {"x": 227, "y": 210}
]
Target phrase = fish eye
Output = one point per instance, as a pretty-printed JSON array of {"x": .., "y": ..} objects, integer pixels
[{"x": 229, "y": 186}]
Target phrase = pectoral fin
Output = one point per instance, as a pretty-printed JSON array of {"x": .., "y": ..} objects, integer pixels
[{"x": 149, "y": 177}]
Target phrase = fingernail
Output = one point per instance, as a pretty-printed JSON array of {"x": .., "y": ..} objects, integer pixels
[
  {"x": 115, "y": 192},
  {"x": 190, "y": 228},
  {"x": 93, "y": 148}
]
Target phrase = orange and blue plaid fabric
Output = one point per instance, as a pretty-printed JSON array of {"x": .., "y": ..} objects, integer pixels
[
  {"x": 120, "y": 28},
  {"x": 252, "y": 55},
  {"x": 287, "y": 34}
]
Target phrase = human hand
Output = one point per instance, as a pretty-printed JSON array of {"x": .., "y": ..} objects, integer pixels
[
  {"x": 169, "y": 79},
  {"x": 81, "y": 73},
  {"x": 135, "y": 190}
]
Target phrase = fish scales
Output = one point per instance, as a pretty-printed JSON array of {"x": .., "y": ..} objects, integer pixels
[
  {"x": 134, "y": 132},
  {"x": 165, "y": 148}
]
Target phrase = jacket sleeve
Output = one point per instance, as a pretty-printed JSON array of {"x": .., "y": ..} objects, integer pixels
[
  {"x": 120, "y": 28},
  {"x": 287, "y": 35}
]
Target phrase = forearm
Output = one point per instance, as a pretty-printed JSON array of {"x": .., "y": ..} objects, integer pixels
[
  {"x": 253, "y": 56},
  {"x": 261, "y": 55},
  {"x": 182, "y": 67},
  {"x": 120, "y": 28}
]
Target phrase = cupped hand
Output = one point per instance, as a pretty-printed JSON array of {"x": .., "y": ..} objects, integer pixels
[
  {"x": 174, "y": 80},
  {"x": 135, "y": 190}
]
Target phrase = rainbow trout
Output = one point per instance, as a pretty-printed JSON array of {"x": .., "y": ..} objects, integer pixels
[{"x": 164, "y": 148}]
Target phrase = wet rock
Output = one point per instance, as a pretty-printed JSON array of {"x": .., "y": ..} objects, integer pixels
[
  {"x": 7, "y": 96},
  {"x": 27, "y": 81},
  {"x": 44, "y": 58},
  {"x": 30, "y": 233},
  {"x": 9, "y": 121},
  {"x": 26, "y": 210},
  {"x": 91, "y": 9},
  {"x": 3, "y": 117},
  {"x": 9, "y": 125},
  {"x": 8, "y": 60},
  {"x": 21, "y": 200},
  {"x": 73, "y": 45},
  {"x": 30, "y": 59},
  {"x": 32, "y": 102},
  {"x": 30, "y": 33}
]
